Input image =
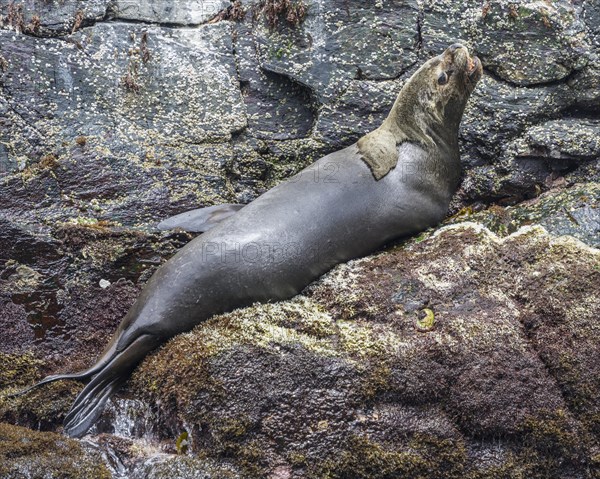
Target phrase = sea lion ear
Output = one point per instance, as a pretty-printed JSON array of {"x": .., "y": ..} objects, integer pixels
[
  {"x": 379, "y": 151},
  {"x": 200, "y": 220}
]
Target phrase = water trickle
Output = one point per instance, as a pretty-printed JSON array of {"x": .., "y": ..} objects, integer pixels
[
  {"x": 128, "y": 418},
  {"x": 125, "y": 425}
]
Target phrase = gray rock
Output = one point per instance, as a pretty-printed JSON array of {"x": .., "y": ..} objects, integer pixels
[
  {"x": 590, "y": 12},
  {"x": 361, "y": 108},
  {"x": 148, "y": 94},
  {"x": 498, "y": 112},
  {"x": 586, "y": 85},
  {"x": 177, "y": 12},
  {"x": 524, "y": 43},
  {"x": 144, "y": 119},
  {"x": 573, "y": 211},
  {"x": 534, "y": 160},
  {"x": 43, "y": 17},
  {"x": 339, "y": 42},
  {"x": 277, "y": 107},
  {"x": 567, "y": 139}
]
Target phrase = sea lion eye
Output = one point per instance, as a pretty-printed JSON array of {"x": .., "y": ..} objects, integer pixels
[{"x": 443, "y": 78}]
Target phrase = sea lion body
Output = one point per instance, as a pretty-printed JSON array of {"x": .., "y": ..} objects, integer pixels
[
  {"x": 329, "y": 213},
  {"x": 341, "y": 207}
]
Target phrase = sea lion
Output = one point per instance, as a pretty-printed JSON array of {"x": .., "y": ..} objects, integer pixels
[{"x": 395, "y": 182}]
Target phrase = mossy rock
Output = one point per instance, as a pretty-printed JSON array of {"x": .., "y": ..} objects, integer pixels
[
  {"x": 341, "y": 382},
  {"x": 25, "y": 454},
  {"x": 18, "y": 370}
]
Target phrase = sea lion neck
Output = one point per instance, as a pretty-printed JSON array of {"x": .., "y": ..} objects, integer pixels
[
  {"x": 419, "y": 120},
  {"x": 427, "y": 111}
]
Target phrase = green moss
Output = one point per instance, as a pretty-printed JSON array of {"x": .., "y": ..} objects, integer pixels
[
  {"x": 297, "y": 459},
  {"x": 377, "y": 380},
  {"x": 425, "y": 457},
  {"x": 579, "y": 394},
  {"x": 38, "y": 455},
  {"x": 251, "y": 456},
  {"x": 17, "y": 370},
  {"x": 230, "y": 428},
  {"x": 307, "y": 317},
  {"x": 297, "y": 321},
  {"x": 155, "y": 379},
  {"x": 103, "y": 252}
]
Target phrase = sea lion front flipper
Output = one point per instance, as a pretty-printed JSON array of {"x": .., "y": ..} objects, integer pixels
[
  {"x": 379, "y": 151},
  {"x": 200, "y": 220}
]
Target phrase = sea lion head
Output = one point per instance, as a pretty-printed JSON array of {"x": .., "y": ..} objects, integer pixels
[
  {"x": 427, "y": 111},
  {"x": 439, "y": 90}
]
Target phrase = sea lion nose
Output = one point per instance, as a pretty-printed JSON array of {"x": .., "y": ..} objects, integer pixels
[{"x": 455, "y": 46}]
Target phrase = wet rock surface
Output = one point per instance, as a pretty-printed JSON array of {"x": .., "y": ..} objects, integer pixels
[
  {"x": 470, "y": 353},
  {"x": 573, "y": 211}
]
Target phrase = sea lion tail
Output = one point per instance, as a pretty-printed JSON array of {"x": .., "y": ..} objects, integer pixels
[{"x": 89, "y": 404}]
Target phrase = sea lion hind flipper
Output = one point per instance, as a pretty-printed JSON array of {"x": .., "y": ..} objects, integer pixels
[
  {"x": 89, "y": 404},
  {"x": 200, "y": 220}
]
